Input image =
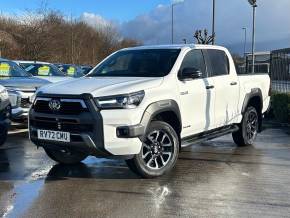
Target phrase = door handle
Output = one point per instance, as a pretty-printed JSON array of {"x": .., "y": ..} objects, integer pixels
[
  {"x": 209, "y": 87},
  {"x": 234, "y": 83}
]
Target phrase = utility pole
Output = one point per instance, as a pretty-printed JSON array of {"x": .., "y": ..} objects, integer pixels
[
  {"x": 213, "y": 21},
  {"x": 253, "y": 3}
]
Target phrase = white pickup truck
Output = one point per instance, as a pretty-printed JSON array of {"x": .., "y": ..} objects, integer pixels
[{"x": 144, "y": 104}]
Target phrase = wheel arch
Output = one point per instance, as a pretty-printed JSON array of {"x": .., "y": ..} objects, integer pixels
[
  {"x": 254, "y": 99},
  {"x": 165, "y": 110}
]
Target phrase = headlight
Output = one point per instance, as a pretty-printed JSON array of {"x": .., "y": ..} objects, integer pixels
[
  {"x": 15, "y": 98},
  {"x": 127, "y": 101},
  {"x": 4, "y": 94}
]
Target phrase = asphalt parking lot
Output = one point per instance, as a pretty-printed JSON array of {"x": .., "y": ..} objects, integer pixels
[{"x": 213, "y": 179}]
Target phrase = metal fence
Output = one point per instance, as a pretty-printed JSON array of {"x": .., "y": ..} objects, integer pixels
[{"x": 280, "y": 70}]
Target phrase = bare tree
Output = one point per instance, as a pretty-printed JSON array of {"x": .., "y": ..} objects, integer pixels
[{"x": 202, "y": 37}]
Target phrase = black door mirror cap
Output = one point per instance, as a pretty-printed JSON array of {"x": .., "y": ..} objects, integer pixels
[{"x": 190, "y": 73}]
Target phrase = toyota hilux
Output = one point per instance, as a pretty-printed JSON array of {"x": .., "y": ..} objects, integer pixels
[{"x": 144, "y": 104}]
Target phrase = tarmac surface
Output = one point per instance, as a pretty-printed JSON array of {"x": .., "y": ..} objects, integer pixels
[{"x": 212, "y": 179}]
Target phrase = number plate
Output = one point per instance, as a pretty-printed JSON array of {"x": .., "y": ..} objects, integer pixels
[{"x": 53, "y": 135}]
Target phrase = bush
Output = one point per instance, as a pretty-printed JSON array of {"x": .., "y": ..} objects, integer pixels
[{"x": 281, "y": 107}]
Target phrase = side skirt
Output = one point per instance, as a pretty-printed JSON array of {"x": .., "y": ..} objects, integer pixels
[{"x": 208, "y": 135}]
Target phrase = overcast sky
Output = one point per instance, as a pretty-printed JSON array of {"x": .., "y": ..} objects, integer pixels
[{"x": 150, "y": 20}]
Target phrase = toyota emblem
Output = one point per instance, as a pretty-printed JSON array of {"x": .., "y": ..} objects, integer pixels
[{"x": 54, "y": 105}]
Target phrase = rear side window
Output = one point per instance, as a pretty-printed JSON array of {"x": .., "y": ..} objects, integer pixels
[
  {"x": 194, "y": 59},
  {"x": 219, "y": 62}
]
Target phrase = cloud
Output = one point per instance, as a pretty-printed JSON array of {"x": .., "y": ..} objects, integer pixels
[
  {"x": 95, "y": 20},
  {"x": 154, "y": 27}
]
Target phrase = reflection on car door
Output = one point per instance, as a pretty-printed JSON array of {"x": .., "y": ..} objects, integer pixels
[{"x": 225, "y": 86}]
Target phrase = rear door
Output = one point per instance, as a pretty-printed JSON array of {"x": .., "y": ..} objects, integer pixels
[
  {"x": 197, "y": 100},
  {"x": 226, "y": 86}
]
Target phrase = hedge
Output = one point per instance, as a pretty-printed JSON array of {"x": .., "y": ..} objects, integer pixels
[{"x": 281, "y": 107}]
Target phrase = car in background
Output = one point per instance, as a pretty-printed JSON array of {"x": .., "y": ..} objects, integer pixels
[
  {"x": 5, "y": 111},
  {"x": 86, "y": 69},
  {"x": 20, "y": 85},
  {"x": 43, "y": 70},
  {"x": 71, "y": 70}
]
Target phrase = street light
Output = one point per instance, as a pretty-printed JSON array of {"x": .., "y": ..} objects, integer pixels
[
  {"x": 253, "y": 3},
  {"x": 245, "y": 41},
  {"x": 213, "y": 21},
  {"x": 172, "y": 19}
]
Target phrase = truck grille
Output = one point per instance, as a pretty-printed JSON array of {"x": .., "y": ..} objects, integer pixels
[{"x": 67, "y": 107}]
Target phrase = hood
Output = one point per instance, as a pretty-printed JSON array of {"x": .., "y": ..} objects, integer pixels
[
  {"x": 23, "y": 83},
  {"x": 102, "y": 86},
  {"x": 54, "y": 79}
]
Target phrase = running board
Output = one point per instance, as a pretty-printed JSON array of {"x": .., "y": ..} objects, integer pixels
[{"x": 185, "y": 142}]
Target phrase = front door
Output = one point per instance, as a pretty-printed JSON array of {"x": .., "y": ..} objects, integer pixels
[{"x": 196, "y": 97}]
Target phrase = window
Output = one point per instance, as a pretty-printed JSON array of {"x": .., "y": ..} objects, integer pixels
[
  {"x": 138, "y": 63},
  {"x": 194, "y": 59},
  {"x": 41, "y": 69},
  {"x": 11, "y": 69},
  {"x": 219, "y": 62}
]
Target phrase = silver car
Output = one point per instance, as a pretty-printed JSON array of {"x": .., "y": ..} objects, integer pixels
[{"x": 21, "y": 86}]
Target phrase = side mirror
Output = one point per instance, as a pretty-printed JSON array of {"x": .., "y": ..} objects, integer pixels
[{"x": 190, "y": 73}]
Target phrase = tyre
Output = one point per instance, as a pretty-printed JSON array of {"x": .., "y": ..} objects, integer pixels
[
  {"x": 3, "y": 134},
  {"x": 159, "y": 151},
  {"x": 248, "y": 128},
  {"x": 65, "y": 156}
]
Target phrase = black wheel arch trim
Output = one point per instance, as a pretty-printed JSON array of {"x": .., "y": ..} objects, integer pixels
[
  {"x": 255, "y": 92},
  {"x": 157, "y": 108}
]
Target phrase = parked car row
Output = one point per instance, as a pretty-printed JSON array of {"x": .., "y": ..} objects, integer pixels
[
  {"x": 23, "y": 78},
  {"x": 5, "y": 110}
]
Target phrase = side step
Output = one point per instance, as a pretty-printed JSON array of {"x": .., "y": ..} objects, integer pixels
[{"x": 185, "y": 142}]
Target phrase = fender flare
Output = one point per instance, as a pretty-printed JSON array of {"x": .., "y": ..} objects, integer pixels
[
  {"x": 255, "y": 92},
  {"x": 158, "y": 107}
]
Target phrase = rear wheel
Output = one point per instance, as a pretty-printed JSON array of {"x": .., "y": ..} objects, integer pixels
[
  {"x": 65, "y": 156},
  {"x": 248, "y": 128},
  {"x": 159, "y": 151}
]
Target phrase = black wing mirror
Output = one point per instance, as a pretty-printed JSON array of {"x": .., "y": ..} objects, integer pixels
[{"x": 190, "y": 73}]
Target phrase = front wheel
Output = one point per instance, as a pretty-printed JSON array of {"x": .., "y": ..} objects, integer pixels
[
  {"x": 248, "y": 128},
  {"x": 159, "y": 151},
  {"x": 65, "y": 156}
]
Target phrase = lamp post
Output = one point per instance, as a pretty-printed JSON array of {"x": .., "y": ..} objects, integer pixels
[
  {"x": 213, "y": 21},
  {"x": 172, "y": 20},
  {"x": 245, "y": 41},
  {"x": 253, "y": 3}
]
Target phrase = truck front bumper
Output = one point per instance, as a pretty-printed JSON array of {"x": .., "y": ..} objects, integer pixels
[{"x": 91, "y": 132}]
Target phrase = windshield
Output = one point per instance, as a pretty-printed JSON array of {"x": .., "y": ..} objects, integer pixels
[
  {"x": 138, "y": 63},
  {"x": 11, "y": 69},
  {"x": 37, "y": 69}
]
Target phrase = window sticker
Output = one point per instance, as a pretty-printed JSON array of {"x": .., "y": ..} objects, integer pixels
[
  {"x": 4, "y": 69},
  {"x": 71, "y": 71},
  {"x": 43, "y": 71}
]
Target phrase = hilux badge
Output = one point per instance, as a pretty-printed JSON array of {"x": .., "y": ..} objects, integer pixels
[{"x": 54, "y": 105}]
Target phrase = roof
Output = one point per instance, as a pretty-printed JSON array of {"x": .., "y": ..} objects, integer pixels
[
  {"x": 2, "y": 59},
  {"x": 31, "y": 62},
  {"x": 176, "y": 46}
]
